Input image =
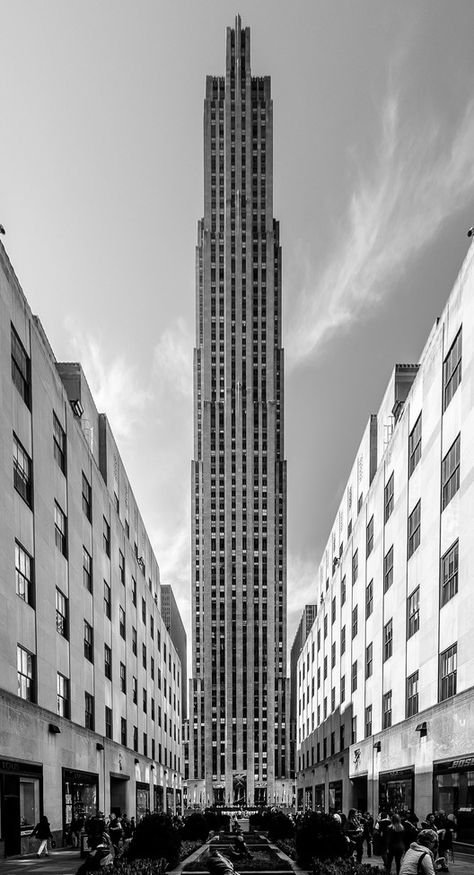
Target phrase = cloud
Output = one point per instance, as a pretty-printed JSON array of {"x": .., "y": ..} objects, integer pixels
[
  {"x": 114, "y": 383},
  {"x": 173, "y": 358},
  {"x": 397, "y": 207}
]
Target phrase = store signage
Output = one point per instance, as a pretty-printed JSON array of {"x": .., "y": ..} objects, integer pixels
[{"x": 466, "y": 762}]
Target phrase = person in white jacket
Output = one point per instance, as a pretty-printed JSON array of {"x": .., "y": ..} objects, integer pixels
[{"x": 419, "y": 858}]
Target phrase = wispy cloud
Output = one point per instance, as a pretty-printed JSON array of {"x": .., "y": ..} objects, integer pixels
[
  {"x": 114, "y": 382},
  {"x": 398, "y": 205},
  {"x": 173, "y": 358}
]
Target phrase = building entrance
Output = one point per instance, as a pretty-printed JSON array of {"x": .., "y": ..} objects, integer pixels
[
  {"x": 359, "y": 796},
  {"x": 80, "y": 796},
  {"x": 118, "y": 794},
  {"x": 20, "y": 802}
]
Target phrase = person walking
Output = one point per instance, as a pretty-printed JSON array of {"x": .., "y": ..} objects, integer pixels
[
  {"x": 395, "y": 844},
  {"x": 42, "y": 831},
  {"x": 354, "y": 831}
]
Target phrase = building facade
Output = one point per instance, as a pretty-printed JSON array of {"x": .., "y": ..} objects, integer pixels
[
  {"x": 175, "y": 626},
  {"x": 90, "y": 680},
  {"x": 385, "y": 678},
  {"x": 239, "y": 701},
  {"x": 304, "y": 627}
]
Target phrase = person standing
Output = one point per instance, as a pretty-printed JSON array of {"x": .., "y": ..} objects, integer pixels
[
  {"x": 395, "y": 843},
  {"x": 355, "y": 833},
  {"x": 42, "y": 831}
]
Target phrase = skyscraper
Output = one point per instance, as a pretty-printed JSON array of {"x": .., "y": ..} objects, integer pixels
[{"x": 239, "y": 700}]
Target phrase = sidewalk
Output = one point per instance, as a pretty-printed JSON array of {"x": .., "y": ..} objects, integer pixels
[{"x": 64, "y": 861}]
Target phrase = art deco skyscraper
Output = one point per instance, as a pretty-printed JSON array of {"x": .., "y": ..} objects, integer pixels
[{"x": 239, "y": 727}]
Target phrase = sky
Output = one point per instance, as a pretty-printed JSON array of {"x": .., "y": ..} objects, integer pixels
[{"x": 101, "y": 187}]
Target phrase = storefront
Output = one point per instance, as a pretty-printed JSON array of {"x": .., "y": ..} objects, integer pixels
[
  {"x": 308, "y": 797},
  {"x": 335, "y": 796},
  {"x": 453, "y": 793},
  {"x": 143, "y": 800},
  {"x": 179, "y": 802},
  {"x": 158, "y": 797},
  {"x": 21, "y": 791},
  {"x": 80, "y": 795},
  {"x": 319, "y": 797},
  {"x": 396, "y": 790},
  {"x": 170, "y": 800}
]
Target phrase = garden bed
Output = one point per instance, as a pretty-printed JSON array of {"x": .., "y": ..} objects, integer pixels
[{"x": 263, "y": 859}]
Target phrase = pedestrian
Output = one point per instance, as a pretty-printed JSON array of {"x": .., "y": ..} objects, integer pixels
[
  {"x": 115, "y": 830},
  {"x": 42, "y": 831},
  {"x": 395, "y": 843},
  {"x": 419, "y": 859},
  {"x": 380, "y": 835},
  {"x": 354, "y": 831},
  {"x": 368, "y": 826}
]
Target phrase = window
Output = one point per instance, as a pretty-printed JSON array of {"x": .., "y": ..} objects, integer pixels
[
  {"x": 333, "y": 655},
  {"x": 354, "y": 730},
  {"x": 369, "y": 598},
  {"x": 144, "y": 700},
  {"x": 134, "y": 690},
  {"x": 123, "y": 678},
  {"x": 144, "y": 655},
  {"x": 134, "y": 591},
  {"x": 369, "y": 660},
  {"x": 388, "y": 497},
  {"x": 22, "y": 475},
  {"x": 325, "y": 667},
  {"x": 452, "y": 369},
  {"x": 122, "y": 622},
  {"x": 61, "y": 614},
  {"x": 59, "y": 443},
  {"x": 143, "y": 611},
  {"x": 21, "y": 372},
  {"x": 388, "y": 569},
  {"x": 23, "y": 574},
  {"x": 343, "y": 688},
  {"x": 152, "y": 627},
  {"x": 354, "y": 621},
  {"x": 123, "y": 731},
  {"x": 355, "y": 567},
  {"x": 88, "y": 641},
  {"x": 89, "y": 721},
  {"x": 60, "y": 529},
  {"x": 414, "y": 529},
  {"x": 134, "y": 640},
  {"x": 414, "y": 446},
  {"x": 86, "y": 497},
  {"x": 450, "y": 472},
  {"x": 135, "y": 738},
  {"x": 354, "y": 676},
  {"x": 122, "y": 567},
  {"x": 368, "y": 721},
  {"x": 387, "y": 640},
  {"x": 25, "y": 663},
  {"x": 333, "y": 611},
  {"x": 387, "y": 710},
  {"x": 87, "y": 569},
  {"x": 325, "y": 625},
  {"x": 448, "y": 672},
  {"x": 106, "y": 536},
  {"x": 343, "y": 590},
  {"x": 343, "y": 640},
  {"x": 412, "y": 694},
  {"x": 108, "y": 722},
  {"x": 413, "y": 612},
  {"x": 62, "y": 697},
  {"x": 370, "y": 536},
  {"x": 449, "y": 573},
  {"x": 107, "y": 662},
  {"x": 107, "y": 600}
]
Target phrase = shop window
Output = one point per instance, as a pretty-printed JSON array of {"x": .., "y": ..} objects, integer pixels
[
  {"x": 29, "y": 802},
  {"x": 23, "y": 574},
  {"x": 448, "y": 672},
  {"x": 59, "y": 444},
  {"x": 449, "y": 573},
  {"x": 25, "y": 674},
  {"x": 452, "y": 371}
]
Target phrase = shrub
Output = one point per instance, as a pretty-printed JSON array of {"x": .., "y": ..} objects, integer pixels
[
  {"x": 137, "y": 867},
  {"x": 155, "y": 837},
  {"x": 195, "y": 827},
  {"x": 344, "y": 867},
  {"x": 280, "y": 826},
  {"x": 216, "y": 820},
  {"x": 320, "y": 836}
]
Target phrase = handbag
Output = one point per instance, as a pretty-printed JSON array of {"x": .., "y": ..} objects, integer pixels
[{"x": 53, "y": 843}]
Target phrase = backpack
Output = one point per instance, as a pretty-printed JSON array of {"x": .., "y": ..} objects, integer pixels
[{"x": 420, "y": 859}]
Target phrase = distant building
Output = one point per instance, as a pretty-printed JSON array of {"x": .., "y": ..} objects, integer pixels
[
  {"x": 90, "y": 679},
  {"x": 239, "y": 695},
  {"x": 307, "y": 619},
  {"x": 174, "y": 624},
  {"x": 387, "y": 704}
]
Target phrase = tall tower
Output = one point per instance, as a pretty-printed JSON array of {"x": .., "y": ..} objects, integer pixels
[{"x": 239, "y": 700}]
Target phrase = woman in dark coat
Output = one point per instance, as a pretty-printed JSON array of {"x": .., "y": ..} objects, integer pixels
[
  {"x": 395, "y": 843},
  {"x": 42, "y": 831}
]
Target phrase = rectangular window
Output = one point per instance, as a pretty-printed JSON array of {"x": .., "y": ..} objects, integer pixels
[
  {"x": 106, "y": 536},
  {"x": 144, "y": 655},
  {"x": 414, "y": 529},
  {"x": 368, "y": 721},
  {"x": 369, "y": 660},
  {"x": 387, "y": 710},
  {"x": 369, "y": 598},
  {"x": 414, "y": 446},
  {"x": 123, "y": 731},
  {"x": 343, "y": 640},
  {"x": 21, "y": 371},
  {"x": 22, "y": 471},
  {"x": 412, "y": 694},
  {"x": 413, "y": 612},
  {"x": 134, "y": 641},
  {"x": 333, "y": 655},
  {"x": 122, "y": 622},
  {"x": 143, "y": 611},
  {"x": 355, "y": 621},
  {"x": 88, "y": 641},
  {"x": 448, "y": 672},
  {"x": 343, "y": 688},
  {"x": 23, "y": 574},
  {"x": 122, "y": 567},
  {"x": 354, "y": 730},
  {"x": 388, "y": 497},
  {"x": 61, "y": 614},
  {"x": 107, "y": 601},
  {"x": 355, "y": 567},
  {"x": 60, "y": 529},
  {"x": 62, "y": 697},
  {"x": 134, "y": 591},
  {"x": 452, "y": 369},
  {"x": 26, "y": 674},
  {"x": 107, "y": 662},
  {"x": 388, "y": 569},
  {"x": 449, "y": 573},
  {"x": 354, "y": 676},
  {"x": 123, "y": 678},
  {"x": 134, "y": 691},
  {"x": 135, "y": 738},
  {"x": 86, "y": 498},
  {"x": 333, "y": 611},
  {"x": 343, "y": 590},
  {"x": 108, "y": 722},
  {"x": 87, "y": 569},
  {"x": 89, "y": 721},
  {"x": 387, "y": 640},
  {"x": 370, "y": 536},
  {"x": 59, "y": 443},
  {"x": 144, "y": 700},
  {"x": 450, "y": 472}
]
